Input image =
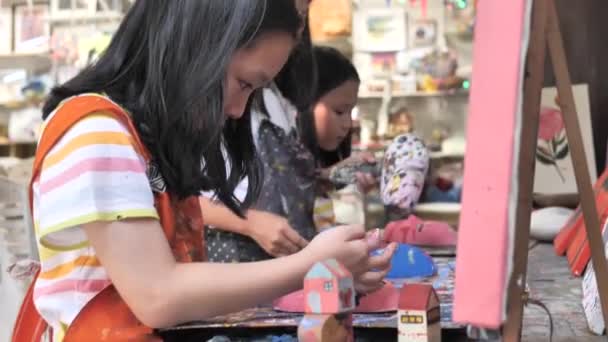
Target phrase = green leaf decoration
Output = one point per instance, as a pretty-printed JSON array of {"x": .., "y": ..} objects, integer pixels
[
  {"x": 544, "y": 154},
  {"x": 544, "y": 159},
  {"x": 563, "y": 153},
  {"x": 562, "y": 138},
  {"x": 544, "y": 150}
]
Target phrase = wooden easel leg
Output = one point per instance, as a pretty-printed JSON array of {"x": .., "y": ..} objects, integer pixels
[
  {"x": 577, "y": 152},
  {"x": 526, "y": 167}
]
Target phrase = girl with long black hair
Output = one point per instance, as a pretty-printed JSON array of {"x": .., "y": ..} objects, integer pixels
[{"x": 118, "y": 173}]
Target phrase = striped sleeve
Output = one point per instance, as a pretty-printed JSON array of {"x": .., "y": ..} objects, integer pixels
[{"x": 92, "y": 174}]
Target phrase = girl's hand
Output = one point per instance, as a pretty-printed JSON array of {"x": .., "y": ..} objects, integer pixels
[
  {"x": 345, "y": 244},
  {"x": 351, "y": 247},
  {"x": 378, "y": 266},
  {"x": 366, "y": 182},
  {"x": 274, "y": 234},
  {"x": 359, "y": 158}
]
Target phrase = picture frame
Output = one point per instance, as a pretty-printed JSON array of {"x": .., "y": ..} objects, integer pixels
[
  {"x": 85, "y": 10},
  {"x": 423, "y": 32},
  {"x": 65, "y": 8},
  {"x": 384, "y": 63},
  {"x": 554, "y": 173},
  {"x": 6, "y": 31},
  {"x": 380, "y": 30},
  {"x": 32, "y": 29}
]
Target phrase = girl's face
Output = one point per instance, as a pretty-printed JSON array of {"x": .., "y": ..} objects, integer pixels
[
  {"x": 253, "y": 67},
  {"x": 332, "y": 115}
]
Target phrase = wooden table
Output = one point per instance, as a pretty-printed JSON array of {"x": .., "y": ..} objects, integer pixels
[
  {"x": 549, "y": 280},
  {"x": 266, "y": 320}
]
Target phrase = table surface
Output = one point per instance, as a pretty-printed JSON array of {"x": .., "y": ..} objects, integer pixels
[
  {"x": 265, "y": 317},
  {"x": 549, "y": 280}
]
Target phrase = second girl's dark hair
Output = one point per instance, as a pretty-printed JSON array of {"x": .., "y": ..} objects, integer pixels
[
  {"x": 297, "y": 80},
  {"x": 167, "y": 65},
  {"x": 332, "y": 69}
]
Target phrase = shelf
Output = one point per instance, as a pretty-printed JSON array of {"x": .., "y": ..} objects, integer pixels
[
  {"x": 86, "y": 18},
  {"x": 13, "y": 106},
  {"x": 18, "y": 143},
  {"x": 446, "y": 155},
  {"x": 36, "y": 62},
  {"x": 11, "y": 3},
  {"x": 419, "y": 94}
]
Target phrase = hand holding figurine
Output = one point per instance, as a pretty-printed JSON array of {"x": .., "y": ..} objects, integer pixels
[
  {"x": 358, "y": 158},
  {"x": 378, "y": 266},
  {"x": 360, "y": 169},
  {"x": 344, "y": 243},
  {"x": 351, "y": 246},
  {"x": 366, "y": 182}
]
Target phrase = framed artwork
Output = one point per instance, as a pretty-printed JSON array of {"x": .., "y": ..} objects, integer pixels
[
  {"x": 380, "y": 30},
  {"x": 423, "y": 32},
  {"x": 72, "y": 8},
  {"x": 6, "y": 31},
  {"x": 554, "y": 171},
  {"x": 32, "y": 29},
  {"x": 67, "y": 10},
  {"x": 384, "y": 63}
]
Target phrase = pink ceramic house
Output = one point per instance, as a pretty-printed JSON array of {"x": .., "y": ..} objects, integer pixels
[
  {"x": 329, "y": 297},
  {"x": 328, "y": 289}
]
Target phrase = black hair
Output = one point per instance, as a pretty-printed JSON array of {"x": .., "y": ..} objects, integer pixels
[
  {"x": 297, "y": 80},
  {"x": 333, "y": 69},
  {"x": 167, "y": 65}
]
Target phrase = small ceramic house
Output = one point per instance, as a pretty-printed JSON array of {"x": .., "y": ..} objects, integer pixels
[
  {"x": 329, "y": 289},
  {"x": 418, "y": 314}
]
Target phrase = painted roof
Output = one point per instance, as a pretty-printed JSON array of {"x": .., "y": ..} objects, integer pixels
[
  {"x": 418, "y": 297},
  {"x": 327, "y": 269}
]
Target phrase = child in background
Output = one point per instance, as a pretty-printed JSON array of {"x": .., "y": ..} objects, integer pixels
[
  {"x": 281, "y": 222},
  {"x": 326, "y": 130}
]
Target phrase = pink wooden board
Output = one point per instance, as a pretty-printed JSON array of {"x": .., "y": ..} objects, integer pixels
[{"x": 487, "y": 220}]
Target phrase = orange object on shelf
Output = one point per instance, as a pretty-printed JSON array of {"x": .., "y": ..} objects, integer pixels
[
  {"x": 572, "y": 239},
  {"x": 330, "y": 19}
]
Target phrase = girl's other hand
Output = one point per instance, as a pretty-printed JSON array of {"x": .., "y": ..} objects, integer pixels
[
  {"x": 274, "y": 234},
  {"x": 366, "y": 182},
  {"x": 359, "y": 158}
]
